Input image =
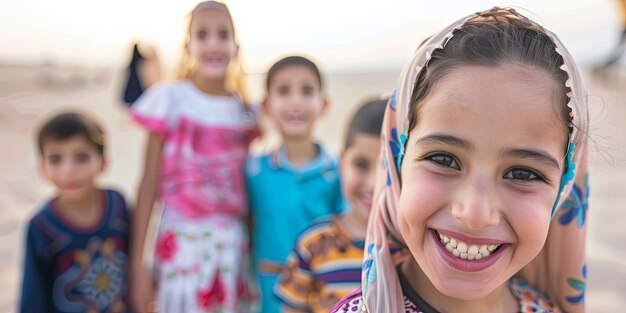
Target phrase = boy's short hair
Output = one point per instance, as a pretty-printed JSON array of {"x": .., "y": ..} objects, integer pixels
[
  {"x": 293, "y": 60},
  {"x": 368, "y": 119},
  {"x": 66, "y": 125}
]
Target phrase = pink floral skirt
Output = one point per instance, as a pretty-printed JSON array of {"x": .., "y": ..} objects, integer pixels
[{"x": 203, "y": 265}]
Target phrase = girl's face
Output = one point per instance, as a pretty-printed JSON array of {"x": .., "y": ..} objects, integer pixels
[
  {"x": 294, "y": 100},
  {"x": 211, "y": 42},
  {"x": 358, "y": 171},
  {"x": 480, "y": 175}
]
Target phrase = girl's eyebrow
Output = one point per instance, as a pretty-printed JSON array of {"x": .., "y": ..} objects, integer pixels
[
  {"x": 534, "y": 154},
  {"x": 446, "y": 140}
]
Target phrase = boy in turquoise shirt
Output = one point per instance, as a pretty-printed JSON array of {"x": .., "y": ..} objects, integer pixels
[{"x": 296, "y": 184}]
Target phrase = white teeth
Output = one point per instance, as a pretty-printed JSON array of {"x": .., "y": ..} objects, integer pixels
[
  {"x": 483, "y": 249},
  {"x": 445, "y": 239},
  {"x": 473, "y": 250},
  {"x": 464, "y": 251}
]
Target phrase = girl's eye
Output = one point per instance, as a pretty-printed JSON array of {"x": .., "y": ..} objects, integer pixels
[
  {"x": 201, "y": 34},
  {"x": 223, "y": 35},
  {"x": 307, "y": 90},
  {"x": 82, "y": 157},
  {"x": 444, "y": 160},
  {"x": 522, "y": 175},
  {"x": 54, "y": 159},
  {"x": 283, "y": 90},
  {"x": 361, "y": 165}
]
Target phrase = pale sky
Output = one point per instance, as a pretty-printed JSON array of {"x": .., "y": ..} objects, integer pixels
[{"x": 340, "y": 34}]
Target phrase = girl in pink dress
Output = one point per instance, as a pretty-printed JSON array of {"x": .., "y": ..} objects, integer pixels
[{"x": 199, "y": 131}]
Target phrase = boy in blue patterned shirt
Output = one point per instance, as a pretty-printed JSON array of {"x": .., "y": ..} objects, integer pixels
[{"x": 77, "y": 244}]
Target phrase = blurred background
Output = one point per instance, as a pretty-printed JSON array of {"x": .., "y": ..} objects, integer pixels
[{"x": 73, "y": 54}]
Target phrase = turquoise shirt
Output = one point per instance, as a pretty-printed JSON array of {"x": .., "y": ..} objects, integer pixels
[{"x": 284, "y": 201}]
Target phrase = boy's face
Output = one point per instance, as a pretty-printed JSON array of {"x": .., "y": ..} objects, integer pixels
[
  {"x": 71, "y": 164},
  {"x": 358, "y": 171},
  {"x": 294, "y": 101}
]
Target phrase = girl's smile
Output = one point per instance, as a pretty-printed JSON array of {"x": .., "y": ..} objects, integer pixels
[{"x": 468, "y": 254}]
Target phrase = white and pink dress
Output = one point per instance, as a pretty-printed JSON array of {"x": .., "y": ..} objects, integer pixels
[{"x": 202, "y": 252}]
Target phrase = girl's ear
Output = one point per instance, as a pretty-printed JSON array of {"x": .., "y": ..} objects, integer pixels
[
  {"x": 105, "y": 164},
  {"x": 264, "y": 105},
  {"x": 325, "y": 105}
]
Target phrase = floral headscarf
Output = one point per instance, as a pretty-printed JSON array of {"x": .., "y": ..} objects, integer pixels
[{"x": 558, "y": 270}]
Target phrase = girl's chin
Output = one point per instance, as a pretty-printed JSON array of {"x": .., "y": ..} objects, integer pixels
[{"x": 211, "y": 73}]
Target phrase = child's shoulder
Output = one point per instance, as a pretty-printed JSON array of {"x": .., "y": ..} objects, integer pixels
[
  {"x": 114, "y": 194},
  {"x": 321, "y": 229},
  {"x": 159, "y": 90},
  {"x": 43, "y": 224},
  {"x": 326, "y": 155},
  {"x": 116, "y": 203},
  {"x": 530, "y": 298},
  {"x": 257, "y": 163},
  {"x": 43, "y": 214}
]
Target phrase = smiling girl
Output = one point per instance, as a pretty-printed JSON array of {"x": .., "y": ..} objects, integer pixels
[{"x": 485, "y": 140}]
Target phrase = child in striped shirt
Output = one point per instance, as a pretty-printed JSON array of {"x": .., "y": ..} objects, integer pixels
[{"x": 325, "y": 263}]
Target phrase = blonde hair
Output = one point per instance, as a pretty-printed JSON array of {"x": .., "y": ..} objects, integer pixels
[{"x": 235, "y": 81}]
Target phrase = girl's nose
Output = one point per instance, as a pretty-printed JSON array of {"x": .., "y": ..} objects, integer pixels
[
  {"x": 296, "y": 99},
  {"x": 477, "y": 206}
]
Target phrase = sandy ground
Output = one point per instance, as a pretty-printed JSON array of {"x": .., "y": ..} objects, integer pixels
[{"x": 27, "y": 94}]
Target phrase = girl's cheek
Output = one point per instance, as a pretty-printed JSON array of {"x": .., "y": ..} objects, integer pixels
[
  {"x": 424, "y": 193},
  {"x": 528, "y": 215},
  {"x": 533, "y": 207}
]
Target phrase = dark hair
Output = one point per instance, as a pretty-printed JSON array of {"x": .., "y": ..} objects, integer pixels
[
  {"x": 368, "y": 119},
  {"x": 66, "y": 125},
  {"x": 494, "y": 37},
  {"x": 293, "y": 60}
]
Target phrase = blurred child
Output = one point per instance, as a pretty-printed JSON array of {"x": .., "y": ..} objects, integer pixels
[
  {"x": 77, "y": 244},
  {"x": 194, "y": 162},
  {"x": 144, "y": 70},
  {"x": 325, "y": 263},
  {"x": 484, "y": 176},
  {"x": 295, "y": 184}
]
